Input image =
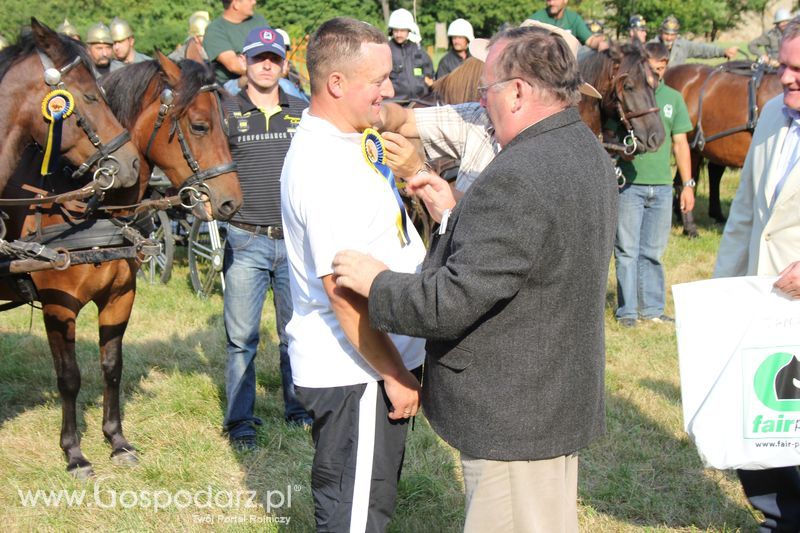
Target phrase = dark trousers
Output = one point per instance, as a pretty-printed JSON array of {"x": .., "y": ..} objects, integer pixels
[
  {"x": 358, "y": 456},
  {"x": 776, "y": 493}
]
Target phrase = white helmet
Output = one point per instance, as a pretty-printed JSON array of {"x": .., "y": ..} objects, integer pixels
[
  {"x": 287, "y": 41},
  {"x": 401, "y": 19},
  {"x": 461, "y": 28},
  {"x": 414, "y": 35},
  {"x": 782, "y": 15}
]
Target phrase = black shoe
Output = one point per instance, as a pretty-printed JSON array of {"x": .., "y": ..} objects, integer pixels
[
  {"x": 663, "y": 319},
  {"x": 627, "y": 322},
  {"x": 244, "y": 444}
]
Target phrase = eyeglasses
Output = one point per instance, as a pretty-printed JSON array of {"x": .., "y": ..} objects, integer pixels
[{"x": 483, "y": 90}]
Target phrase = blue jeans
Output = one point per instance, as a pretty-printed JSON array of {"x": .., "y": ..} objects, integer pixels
[
  {"x": 645, "y": 217},
  {"x": 253, "y": 264}
]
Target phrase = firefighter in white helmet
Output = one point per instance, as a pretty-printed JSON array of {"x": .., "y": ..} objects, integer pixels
[
  {"x": 460, "y": 34},
  {"x": 412, "y": 68}
]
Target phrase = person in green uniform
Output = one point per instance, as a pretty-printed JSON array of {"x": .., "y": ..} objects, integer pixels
[
  {"x": 557, "y": 14},
  {"x": 225, "y": 35},
  {"x": 645, "y": 207}
]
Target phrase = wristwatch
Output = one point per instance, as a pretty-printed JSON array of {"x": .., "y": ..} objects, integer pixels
[{"x": 690, "y": 183}]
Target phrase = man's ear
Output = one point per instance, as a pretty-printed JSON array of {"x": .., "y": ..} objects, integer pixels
[{"x": 336, "y": 84}]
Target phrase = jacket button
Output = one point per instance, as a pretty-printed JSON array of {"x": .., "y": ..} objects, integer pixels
[{"x": 767, "y": 237}]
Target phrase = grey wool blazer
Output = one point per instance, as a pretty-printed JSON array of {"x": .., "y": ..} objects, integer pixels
[{"x": 511, "y": 299}]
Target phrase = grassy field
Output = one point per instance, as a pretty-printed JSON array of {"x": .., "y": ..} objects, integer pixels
[{"x": 645, "y": 475}]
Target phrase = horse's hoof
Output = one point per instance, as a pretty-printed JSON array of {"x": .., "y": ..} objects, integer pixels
[
  {"x": 81, "y": 473},
  {"x": 124, "y": 457},
  {"x": 691, "y": 233}
]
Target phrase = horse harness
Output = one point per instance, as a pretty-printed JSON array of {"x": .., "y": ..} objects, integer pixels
[
  {"x": 191, "y": 191},
  {"x": 104, "y": 176},
  {"x": 755, "y": 72},
  {"x": 91, "y": 241},
  {"x": 630, "y": 142}
]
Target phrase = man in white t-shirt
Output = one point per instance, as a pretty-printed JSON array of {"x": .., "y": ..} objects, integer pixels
[{"x": 355, "y": 382}]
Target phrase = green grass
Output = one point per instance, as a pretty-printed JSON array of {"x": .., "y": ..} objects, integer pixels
[{"x": 644, "y": 475}]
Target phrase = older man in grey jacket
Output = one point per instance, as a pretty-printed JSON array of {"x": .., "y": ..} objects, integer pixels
[{"x": 511, "y": 295}]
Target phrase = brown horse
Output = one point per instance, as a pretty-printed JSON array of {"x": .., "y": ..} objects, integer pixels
[
  {"x": 192, "y": 150},
  {"x": 728, "y": 116},
  {"x": 622, "y": 75},
  {"x": 30, "y": 69}
]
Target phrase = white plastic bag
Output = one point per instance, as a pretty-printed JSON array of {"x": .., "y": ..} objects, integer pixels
[{"x": 739, "y": 349}]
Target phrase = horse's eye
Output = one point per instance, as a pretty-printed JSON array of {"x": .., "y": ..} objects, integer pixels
[
  {"x": 89, "y": 97},
  {"x": 199, "y": 128},
  {"x": 628, "y": 87}
]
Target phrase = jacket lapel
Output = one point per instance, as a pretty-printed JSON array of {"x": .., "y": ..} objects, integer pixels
[{"x": 771, "y": 177}]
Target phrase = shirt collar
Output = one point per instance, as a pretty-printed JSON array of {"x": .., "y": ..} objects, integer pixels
[
  {"x": 792, "y": 114},
  {"x": 247, "y": 105},
  {"x": 317, "y": 124}
]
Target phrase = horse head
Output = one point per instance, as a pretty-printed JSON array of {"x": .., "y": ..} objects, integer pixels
[
  {"x": 45, "y": 73},
  {"x": 632, "y": 97},
  {"x": 178, "y": 126},
  {"x": 624, "y": 78}
]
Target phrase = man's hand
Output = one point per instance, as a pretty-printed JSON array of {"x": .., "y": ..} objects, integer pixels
[
  {"x": 434, "y": 191},
  {"x": 403, "y": 393},
  {"x": 731, "y": 52},
  {"x": 401, "y": 155},
  {"x": 356, "y": 271},
  {"x": 687, "y": 199},
  {"x": 789, "y": 281}
]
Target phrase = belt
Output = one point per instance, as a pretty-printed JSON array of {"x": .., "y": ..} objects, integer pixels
[{"x": 273, "y": 232}]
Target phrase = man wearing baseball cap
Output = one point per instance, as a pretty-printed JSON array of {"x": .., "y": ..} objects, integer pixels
[{"x": 260, "y": 122}]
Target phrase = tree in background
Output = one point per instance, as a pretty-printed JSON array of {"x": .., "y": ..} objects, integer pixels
[
  {"x": 161, "y": 24},
  {"x": 699, "y": 17}
]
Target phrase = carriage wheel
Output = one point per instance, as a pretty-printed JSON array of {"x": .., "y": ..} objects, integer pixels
[
  {"x": 159, "y": 267},
  {"x": 206, "y": 252}
]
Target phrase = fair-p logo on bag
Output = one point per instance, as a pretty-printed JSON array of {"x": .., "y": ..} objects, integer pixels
[{"x": 777, "y": 382}]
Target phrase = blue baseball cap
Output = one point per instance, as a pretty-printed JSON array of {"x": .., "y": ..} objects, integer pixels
[{"x": 264, "y": 39}]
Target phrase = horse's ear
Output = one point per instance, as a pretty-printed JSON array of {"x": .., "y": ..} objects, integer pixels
[
  {"x": 46, "y": 40},
  {"x": 171, "y": 71},
  {"x": 193, "y": 51},
  {"x": 615, "y": 51}
]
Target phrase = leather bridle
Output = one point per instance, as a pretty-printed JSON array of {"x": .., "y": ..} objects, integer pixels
[
  {"x": 191, "y": 191},
  {"x": 107, "y": 165}
]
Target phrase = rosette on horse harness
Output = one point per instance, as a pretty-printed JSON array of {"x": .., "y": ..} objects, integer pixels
[
  {"x": 192, "y": 189},
  {"x": 374, "y": 153},
  {"x": 60, "y": 97}
]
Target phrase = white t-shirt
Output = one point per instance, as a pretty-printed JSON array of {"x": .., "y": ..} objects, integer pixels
[{"x": 332, "y": 200}]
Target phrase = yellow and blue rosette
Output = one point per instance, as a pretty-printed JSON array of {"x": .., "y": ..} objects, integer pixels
[
  {"x": 374, "y": 153},
  {"x": 56, "y": 106}
]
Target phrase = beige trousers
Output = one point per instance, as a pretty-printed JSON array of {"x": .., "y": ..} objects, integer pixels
[{"x": 521, "y": 496}]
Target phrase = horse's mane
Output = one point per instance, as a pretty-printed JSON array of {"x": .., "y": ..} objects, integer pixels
[
  {"x": 26, "y": 46},
  {"x": 460, "y": 85},
  {"x": 126, "y": 87},
  {"x": 595, "y": 64}
]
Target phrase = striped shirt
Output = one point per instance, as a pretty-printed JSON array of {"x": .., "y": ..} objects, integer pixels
[
  {"x": 259, "y": 140},
  {"x": 461, "y": 132}
]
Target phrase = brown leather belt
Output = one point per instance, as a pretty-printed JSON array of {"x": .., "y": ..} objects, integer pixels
[{"x": 273, "y": 232}]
